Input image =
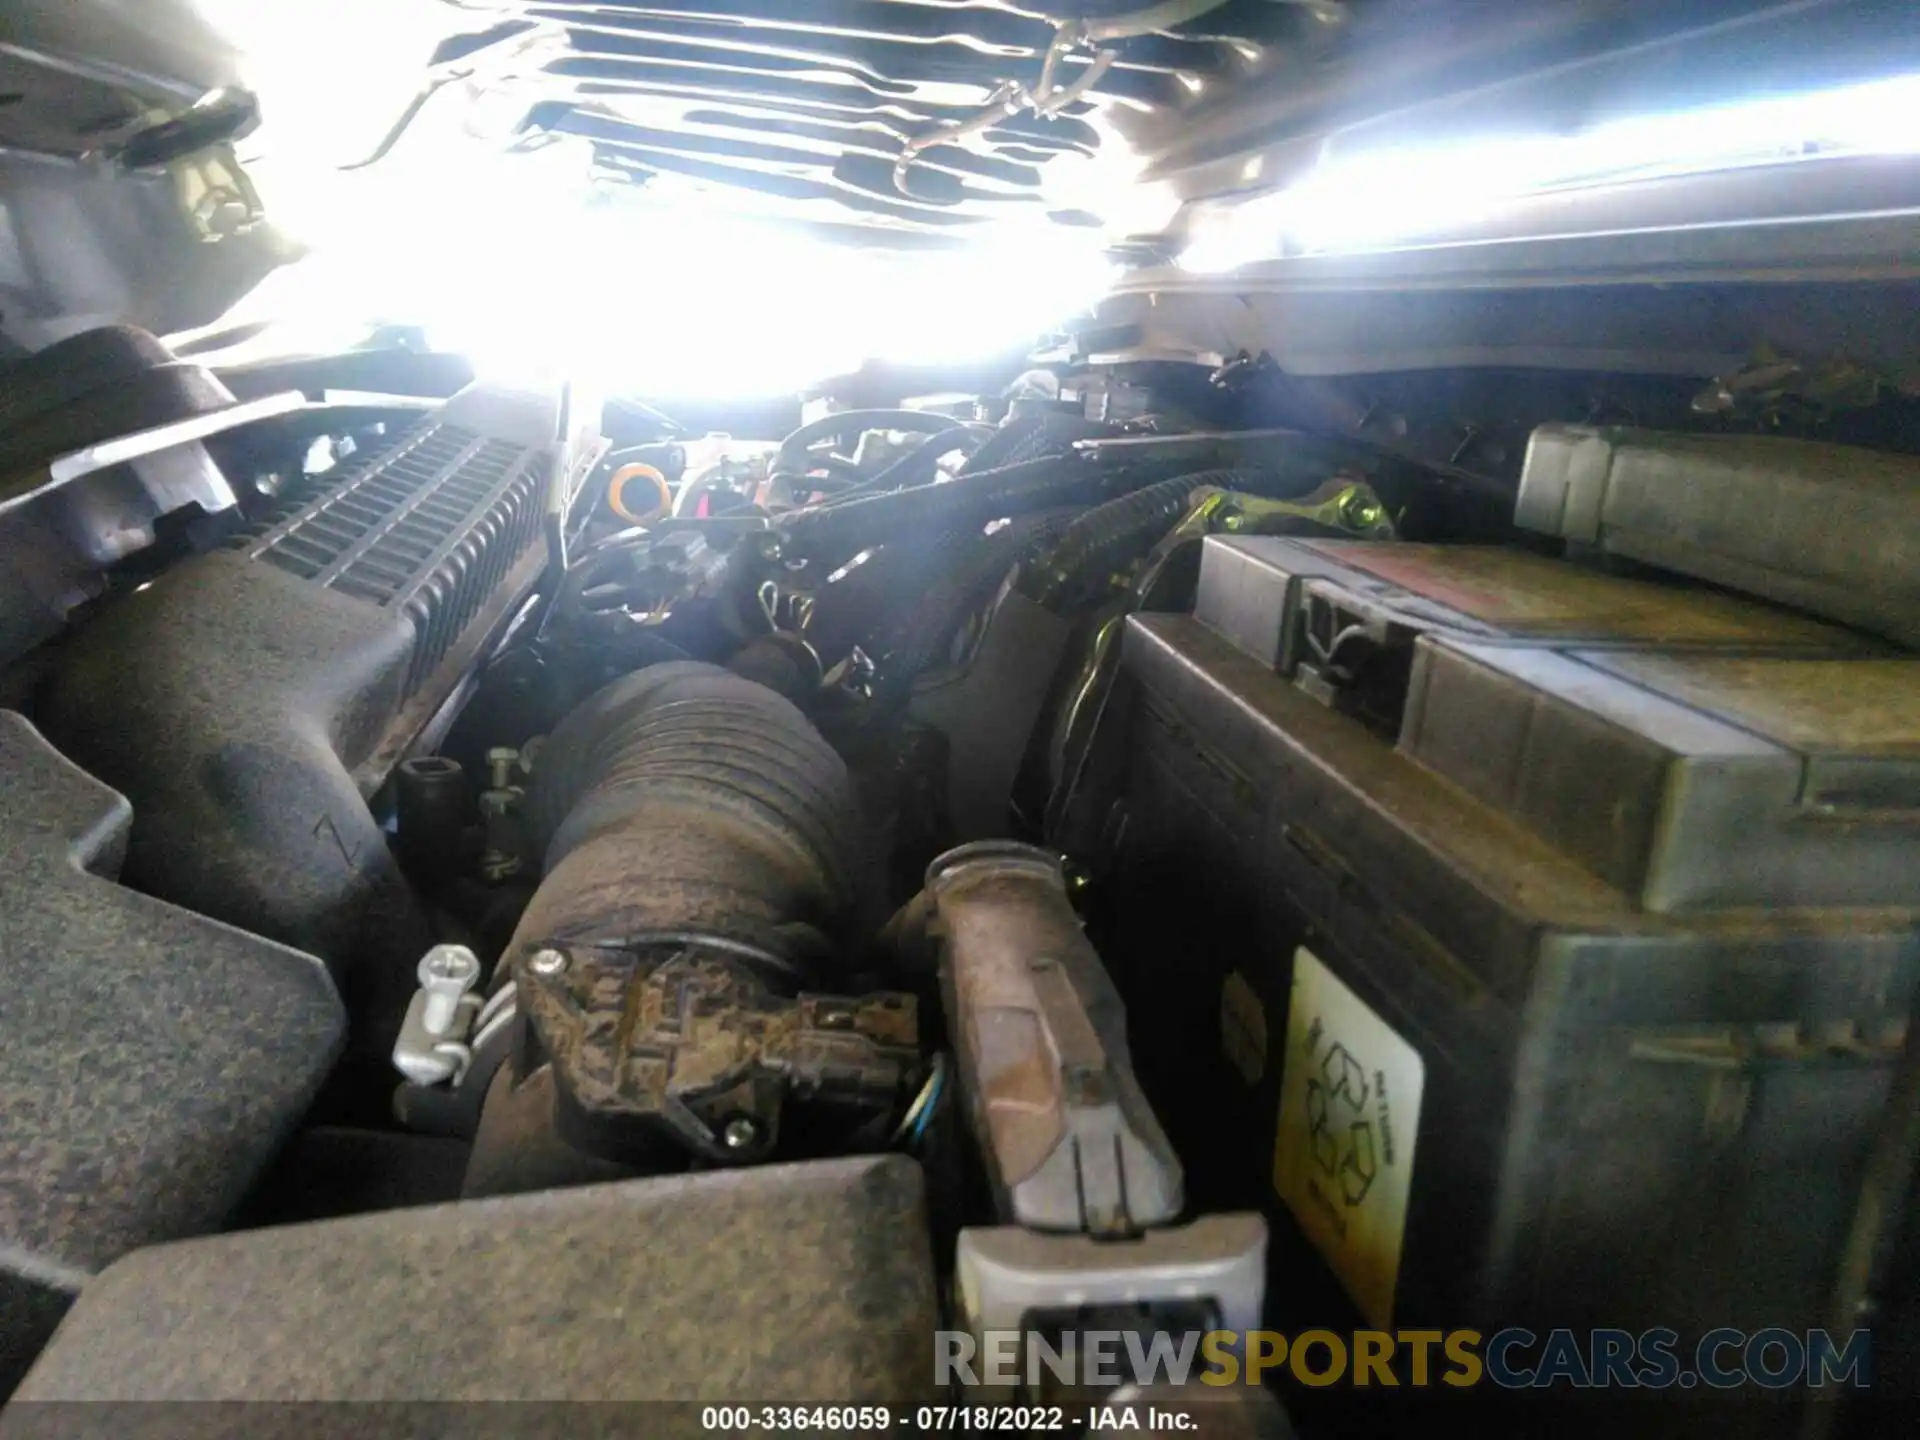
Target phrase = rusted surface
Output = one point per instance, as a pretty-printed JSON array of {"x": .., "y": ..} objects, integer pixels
[
  {"x": 1041, "y": 1038},
  {"x": 685, "y": 1038}
]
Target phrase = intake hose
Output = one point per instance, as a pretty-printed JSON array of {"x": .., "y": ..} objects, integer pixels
[
  {"x": 685, "y": 798},
  {"x": 681, "y": 807}
]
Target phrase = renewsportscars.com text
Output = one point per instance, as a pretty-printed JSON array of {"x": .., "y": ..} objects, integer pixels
[{"x": 1513, "y": 1358}]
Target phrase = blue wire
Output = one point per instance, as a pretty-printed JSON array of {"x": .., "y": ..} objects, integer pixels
[{"x": 936, "y": 1088}]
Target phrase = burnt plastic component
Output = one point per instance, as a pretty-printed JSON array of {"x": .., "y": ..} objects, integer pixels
[
  {"x": 1827, "y": 527},
  {"x": 681, "y": 803},
  {"x": 684, "y": 1042},
  {"x": 155, "y": 1058},
  {"x": 785, "y": 1284},
  {"x": 247, "y": 700},
  {"x": 1069, "y": 1140}
]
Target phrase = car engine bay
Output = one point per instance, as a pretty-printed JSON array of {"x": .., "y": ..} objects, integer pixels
[
  {"x": 1313, "y": 805},
  {"x": 542, "y": 811}
]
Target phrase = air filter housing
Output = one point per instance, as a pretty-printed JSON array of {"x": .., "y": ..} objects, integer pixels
[{"x": 250, "y": 699}]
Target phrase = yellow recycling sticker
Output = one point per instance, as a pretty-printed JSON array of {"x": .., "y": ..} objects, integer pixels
[{"x": 1349, "y": 1114}]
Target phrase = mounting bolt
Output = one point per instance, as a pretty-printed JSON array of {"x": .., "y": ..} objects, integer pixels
[
  {"x": 740, "y": 1133},
  {"x": 500, "y": 762},
  {"x": 1359, "y": 511},
  {"x": 446, "y": 973},
  {"x": 547, "y": 963}
]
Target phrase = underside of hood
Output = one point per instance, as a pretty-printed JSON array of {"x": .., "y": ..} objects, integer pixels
[
  {"x": 931, "y": 117},
  {"x": 161, "y": 156}
]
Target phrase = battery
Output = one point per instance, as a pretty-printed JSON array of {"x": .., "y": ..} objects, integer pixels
[
  {"x": 1699, "y": 750},
  {"x": 1430, "y": 1025}
]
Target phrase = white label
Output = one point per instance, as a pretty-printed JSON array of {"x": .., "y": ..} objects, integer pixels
[{"x": 1349, "y": 1114}]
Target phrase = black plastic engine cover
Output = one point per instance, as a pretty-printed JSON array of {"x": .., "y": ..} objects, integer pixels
[
  {"x": 153, "y": 1059},
  {"x": 248, "y": 700},
  {"x": 779, "y": 1284}
]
